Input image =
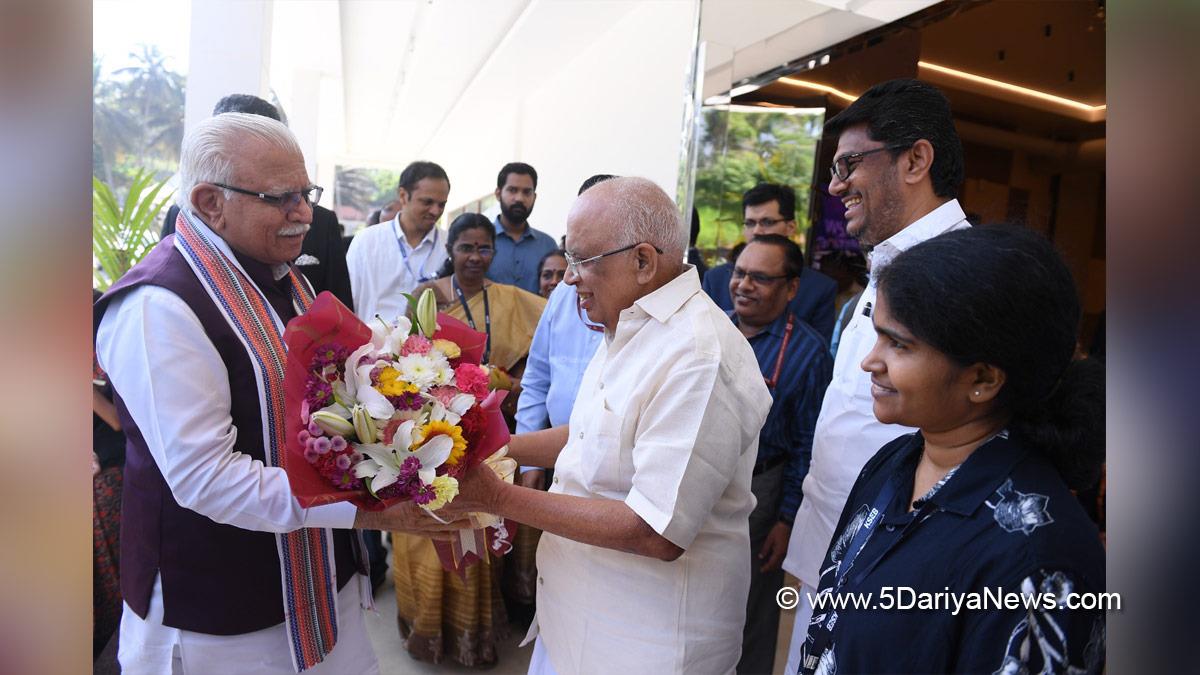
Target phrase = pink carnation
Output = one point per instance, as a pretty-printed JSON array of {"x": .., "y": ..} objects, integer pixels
[
  {"x": 472, "y": 379},
  {"x": 444, "y": 394},
  {"x": 416, "y": 344}
]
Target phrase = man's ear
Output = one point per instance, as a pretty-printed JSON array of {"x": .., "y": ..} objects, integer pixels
[
  {"x": 402, "y": 197},
  {"x": 208, "y": 201},
  {"x": 793, "y": 286},
  {"x": 646, "y": 261},
  {"x": 916, "y": 162}
]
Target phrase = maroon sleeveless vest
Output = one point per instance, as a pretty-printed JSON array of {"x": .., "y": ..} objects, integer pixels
[{"x": 216, "y": 579}]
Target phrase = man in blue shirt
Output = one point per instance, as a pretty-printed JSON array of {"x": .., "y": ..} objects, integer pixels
[
  {"x": 795, "y": 362},
  {"x": 519, "y": 247},
  {"x": 768, "y": 208}
]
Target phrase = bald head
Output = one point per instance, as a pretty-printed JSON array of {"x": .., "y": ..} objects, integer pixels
[{"x": 636, "y": 210}]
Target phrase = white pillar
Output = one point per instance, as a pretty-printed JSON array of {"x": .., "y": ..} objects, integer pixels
[{"x": 230, "y": 53}]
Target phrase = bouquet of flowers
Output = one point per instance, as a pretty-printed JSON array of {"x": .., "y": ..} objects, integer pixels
[{"x": 383, "y": 413}]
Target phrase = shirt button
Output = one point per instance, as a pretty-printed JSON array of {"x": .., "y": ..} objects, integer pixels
[
  {"x": 556, "y": 480},
  {"x": 601, "y": 385},
  {"x": 890, "y": 528},
  {"x": 581, "y": 434},
  {"x": 541, "y": 581}
]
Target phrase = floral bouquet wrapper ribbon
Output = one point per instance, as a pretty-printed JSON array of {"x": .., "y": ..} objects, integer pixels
[{"x": 329, "y": 323}]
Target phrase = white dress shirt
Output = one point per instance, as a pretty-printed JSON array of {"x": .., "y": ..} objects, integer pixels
[
  {"x": 847, "y": 433},
  {"x": 666, "y": 421},
  {"x": 383, "y": 267},
  {"x": 175, "y": 387}
]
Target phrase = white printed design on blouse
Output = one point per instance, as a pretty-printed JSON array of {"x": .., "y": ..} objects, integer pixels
[{"x": 1019, "y": 511}]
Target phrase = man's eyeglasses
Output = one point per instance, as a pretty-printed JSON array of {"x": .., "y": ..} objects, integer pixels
[
  {"x": 844, "y": 166},
  {"x": 573, "y": 263},
  {"x": 758, "y": 278},
  {"x": 750, "y": 224},
  {"x": 468, "y": 249},
  {"x": 286, "y": 201}
]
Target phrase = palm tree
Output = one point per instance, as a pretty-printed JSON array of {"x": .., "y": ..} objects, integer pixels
[
  {"x": 156, "y": 95},
  {"x": 114, "y": 130}
]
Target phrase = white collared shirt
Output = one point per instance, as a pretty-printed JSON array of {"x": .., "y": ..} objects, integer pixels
[
  {"x": 667, "y": 421},
  {"x": 383, "y": 267},
  {"x": 847, "y": 433}
]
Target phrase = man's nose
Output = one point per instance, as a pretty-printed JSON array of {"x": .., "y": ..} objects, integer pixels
[
  {"x": 571, "y": 277},
  {"x": 302, "y": 213},
  {"x": 837, "y": 186}
]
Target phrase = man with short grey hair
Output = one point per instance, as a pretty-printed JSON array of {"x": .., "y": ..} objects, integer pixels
[
  {"x": 645, "y": 548},
  {"x": 222, "y": 571}
]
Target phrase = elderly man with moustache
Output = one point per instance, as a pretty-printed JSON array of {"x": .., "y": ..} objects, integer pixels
[
  {"x": 644, "y": 557},
  {"x": 222, "y": 571}
]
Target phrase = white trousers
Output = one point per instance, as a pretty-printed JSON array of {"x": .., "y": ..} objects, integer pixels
[
  {"x": 147, "y": 647},
  {"x": 804, "y": 612}
]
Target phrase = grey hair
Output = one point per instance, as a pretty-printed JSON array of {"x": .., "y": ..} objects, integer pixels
[
  {"x": 210, "y": 148},
  {"x": 644, "y": 213}
]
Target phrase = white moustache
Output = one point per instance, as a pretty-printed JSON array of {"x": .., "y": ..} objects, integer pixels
[{"x": 294, "y": 230}]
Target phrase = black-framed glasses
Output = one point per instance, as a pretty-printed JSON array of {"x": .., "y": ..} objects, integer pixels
[
  {"x": 573, "y": 263},
  {"x": 758, "y": 277},
  {"x": 286, "y": 201},
  {"x": 843, "y": 166},
  {"x": 468, "y": 249},
  {"x": 750, "y": 223}
]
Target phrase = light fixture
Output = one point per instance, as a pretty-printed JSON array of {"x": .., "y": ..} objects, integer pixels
[
  {"x": 1077, "y": 109},
  {"x": 815, "y": 86}
]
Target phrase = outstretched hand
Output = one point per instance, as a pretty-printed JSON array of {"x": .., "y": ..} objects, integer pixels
[
  {"x": 478, "y": 491},
  {"x": 410, "y": 518}
]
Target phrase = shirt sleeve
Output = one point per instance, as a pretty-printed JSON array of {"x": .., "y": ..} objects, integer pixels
[
  {"x": 806, "y": 406},
  {"x": 688, "y": 443},
  {"x": 532, "y": 413},
  {"x": 357, "y": 269},
  {"x": 175, "y": 387},
  {"x": 1046, "y": 637}
]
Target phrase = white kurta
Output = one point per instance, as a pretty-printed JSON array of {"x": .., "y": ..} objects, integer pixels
[
  {"x": 667, "y": 421},
  {"x": 847, "y": 433},
  {"x": 383, "y": 267}
]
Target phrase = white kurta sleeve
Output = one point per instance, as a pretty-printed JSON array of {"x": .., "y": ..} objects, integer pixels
[{"x": 176, "y": 388}]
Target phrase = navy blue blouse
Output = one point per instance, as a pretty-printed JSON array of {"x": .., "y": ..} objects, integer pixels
[{"x": 1003, "y": 522}]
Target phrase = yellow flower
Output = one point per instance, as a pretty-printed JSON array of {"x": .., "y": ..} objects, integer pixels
[
  {"x": 447, "y": 347},
  {"x": 445, "y": 489},
  {"x": 444, "y": 428},
  {"x": 390, "y": 383}
]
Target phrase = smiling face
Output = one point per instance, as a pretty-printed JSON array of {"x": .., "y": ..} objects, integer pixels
[
  {"x": 420, "y": 210},
  {"x": 871, "y": 193},
  {"x": 554, "y": 268},
  {"x": 263, "y": 231},
  {"x": 759, "y": 303},
  {"x": 470, "y": 265},
  {"x": 911, "y": 382},
  {"x": 606, "y": 286}
]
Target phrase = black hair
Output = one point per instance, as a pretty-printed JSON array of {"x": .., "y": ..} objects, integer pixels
[
  {"x": 245, "y": 103},
  {"x": 542, "y": 263},
  {"x": 793, "y": 257},
  {"x": 373, "y": 219},
  {"x": 772, "y": 192},
  {"x": 736, "y": 251},
  {"x": 695, "y": 234},
  {"x": 902, "y": 112},
  {"x": 417, "y": 171},
  {"x": 466, "y": 221},
  {"x": 1001, "y": 295},
  {"x": 592, "y": 180},
  {"x": 520, "y": 168}
]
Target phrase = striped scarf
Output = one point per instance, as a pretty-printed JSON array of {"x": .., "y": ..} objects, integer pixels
[{"x": 305, "y": 555}]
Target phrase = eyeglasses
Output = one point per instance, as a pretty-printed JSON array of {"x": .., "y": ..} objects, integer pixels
[
  {"x": 286, "y": 201},
  {"x": 750, "y": 224},
  {"x": 573, "y": 263},
  {"x": 468, "y": 249},
  {"x": 843, "y": 166},
  {"x": 758, "y": 277}
]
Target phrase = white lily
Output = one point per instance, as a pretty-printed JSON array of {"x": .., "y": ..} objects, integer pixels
[
  {"x": 383, "y": 461},
  {"x": 389, "y": 338},
  {"x": 364, "y": 425},
  {"x": 334, "y": 420},
  {"x": 358, "y": 384},
  {"x": 427, "y": 313}
]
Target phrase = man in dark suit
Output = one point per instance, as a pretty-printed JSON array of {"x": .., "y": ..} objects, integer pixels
[
  {"x": 322, "y": 254},
  {"x": 768, "y": 208}
]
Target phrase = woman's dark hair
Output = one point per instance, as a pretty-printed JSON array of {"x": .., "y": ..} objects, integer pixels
[
  {"x": 1001, "y": 295},
  {"x": 467, "y": 221},
  {"x": 542, "y": 263}
]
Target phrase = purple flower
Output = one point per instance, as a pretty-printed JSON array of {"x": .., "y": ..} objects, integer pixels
[
  {"x": 304, "y": 436},
  {"x": 310, "y": 455},
  {"x": 343, "y": 462},
  {"x": 321, "y": 445},
  {"x": 315, "y": 430},
  {"x": 338, "y": 444}
]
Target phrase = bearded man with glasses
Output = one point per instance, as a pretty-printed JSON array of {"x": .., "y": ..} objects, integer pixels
[
  {"x": 769, "y": 208},
  {"x": 644, "y": 558}
]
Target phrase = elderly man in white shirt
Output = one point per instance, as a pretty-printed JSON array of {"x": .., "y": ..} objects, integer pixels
[
  {"x": 643, "y": 564},
  {"x": 394, "y": 257},
  {"x": 897, "y": 168}
]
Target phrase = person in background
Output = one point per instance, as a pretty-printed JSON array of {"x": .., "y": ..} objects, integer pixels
[
  {"x": 440, "y": 615},
  {"x": 769, "y": 208},
  {"x": 322, "y": 256},
  {"x": 108, "y": 456},
  {"x": 796, "y": 366},
  {"x": 897, "y": 167},
  {"x": 394, "y": 257},
  {"x": 519, "y": 246},
  {"x": 551, "y": 270},
  {"x": 694, "y": 257},
  {"x": 980, "y": 361}
]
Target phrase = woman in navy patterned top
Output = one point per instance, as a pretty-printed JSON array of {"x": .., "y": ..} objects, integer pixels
[{"x": 965, "y": 533}]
